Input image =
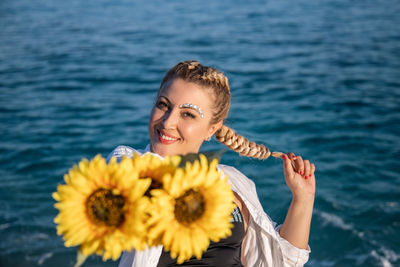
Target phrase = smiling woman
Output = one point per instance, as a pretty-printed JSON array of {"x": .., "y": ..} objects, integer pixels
[
  {"x": 176, "y": 125},
  {"x": 190, "y": 107}
]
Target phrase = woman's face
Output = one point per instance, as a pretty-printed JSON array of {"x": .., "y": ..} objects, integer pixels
[{"x": 180, "y": 119}]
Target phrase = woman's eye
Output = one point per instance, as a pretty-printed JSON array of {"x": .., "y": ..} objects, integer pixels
[
  {"x": 161, "y": 105},
  {"x": 188, "y": 114}
]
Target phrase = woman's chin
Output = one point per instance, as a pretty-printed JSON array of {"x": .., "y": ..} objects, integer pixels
[
  {"x": 163, "y": 150},
  {"x": 171, "y": 149}
]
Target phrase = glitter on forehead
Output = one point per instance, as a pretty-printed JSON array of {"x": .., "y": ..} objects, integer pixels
[{"x": 187, "y": 105}]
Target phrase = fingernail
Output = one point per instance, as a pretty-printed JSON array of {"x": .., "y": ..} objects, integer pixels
[
  {"x": 284, "y": 156},
  {"x": 306, "y": 177},
  {"x": 293, "y": 157}
]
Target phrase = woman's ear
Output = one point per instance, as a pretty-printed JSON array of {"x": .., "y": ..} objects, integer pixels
[{"x": 214, "y": 127}]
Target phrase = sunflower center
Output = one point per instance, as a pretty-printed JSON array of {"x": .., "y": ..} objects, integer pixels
[
  {"x": 189, "y": 207},
  {"x": 154, "y": 185},
  {"x": 105, "y": 208}
]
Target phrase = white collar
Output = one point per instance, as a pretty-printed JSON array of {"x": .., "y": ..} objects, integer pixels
[{"x": 147, "y": 150}]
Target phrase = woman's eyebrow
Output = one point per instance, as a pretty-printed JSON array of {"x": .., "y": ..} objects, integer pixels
[
  {"x": 166, "y": 98},
  {"x": 192, "y": 106}
]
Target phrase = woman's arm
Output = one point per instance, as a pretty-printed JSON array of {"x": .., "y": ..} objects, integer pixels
[{"x": 300, "y": 178}]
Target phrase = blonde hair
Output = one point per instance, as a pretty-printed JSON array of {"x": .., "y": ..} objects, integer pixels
[{"x": 208, "y": 77}]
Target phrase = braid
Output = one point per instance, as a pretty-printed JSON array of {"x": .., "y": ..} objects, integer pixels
[
  {"x": 242, "y": 145},
  {"x": 214, "y": 76},
  {"x": 192, "y": 64},
  {"x": 208, "y": 77},
  {"x": 211, "y": 78}
]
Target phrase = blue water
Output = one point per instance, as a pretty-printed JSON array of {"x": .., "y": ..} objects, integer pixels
[{"x": 319, "y": 78}]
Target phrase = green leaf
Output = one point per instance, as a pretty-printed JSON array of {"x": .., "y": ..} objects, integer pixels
[
  {"x": 210, "y": 155},
  {"x": 80, "y": 259}
]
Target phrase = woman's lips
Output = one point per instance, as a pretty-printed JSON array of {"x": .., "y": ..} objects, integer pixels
[{"x": 165, "y": 138}]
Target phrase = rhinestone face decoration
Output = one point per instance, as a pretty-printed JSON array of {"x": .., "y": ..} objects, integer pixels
[{"x": 186, "y": 105}]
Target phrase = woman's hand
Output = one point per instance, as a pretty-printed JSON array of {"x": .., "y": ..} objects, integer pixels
[{"x": 299, "y": 176}]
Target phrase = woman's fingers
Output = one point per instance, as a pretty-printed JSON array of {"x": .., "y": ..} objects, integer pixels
[
  {"x": 287, "y": 166},
  {"x": 293, "y": 163},
  {"x": 312, "y": 169},
  {"x": 291, "y": 156},
  {"x": 299, "y": 165},
  {"x": 307, "y": 169}
]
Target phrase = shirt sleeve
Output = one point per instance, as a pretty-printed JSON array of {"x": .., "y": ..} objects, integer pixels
[
  {"x": 292, "y": 255},
  {"x": 263, "y": 245},
  {"x": 127, "y": 259}
]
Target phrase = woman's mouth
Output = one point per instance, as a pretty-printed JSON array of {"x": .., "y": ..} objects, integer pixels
[{"x": 165, "y": 138}]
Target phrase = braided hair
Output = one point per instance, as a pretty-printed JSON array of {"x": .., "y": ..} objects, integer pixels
[{"x": 208, "y": 77}]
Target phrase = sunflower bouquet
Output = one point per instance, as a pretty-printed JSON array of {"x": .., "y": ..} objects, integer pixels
[{"x": 143, "y": 201}]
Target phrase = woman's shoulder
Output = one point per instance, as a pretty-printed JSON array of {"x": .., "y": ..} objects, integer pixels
[
  {"x": 242, "y": 185},
  {"x": 236, "y": 177}
]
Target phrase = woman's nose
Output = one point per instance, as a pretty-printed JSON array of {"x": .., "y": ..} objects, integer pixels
[{"x": 170, "y": 119}]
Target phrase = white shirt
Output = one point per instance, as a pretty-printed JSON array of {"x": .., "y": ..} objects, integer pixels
[{"x": 262, "y": 244}]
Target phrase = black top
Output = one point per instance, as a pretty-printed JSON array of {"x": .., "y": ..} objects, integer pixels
[{"x": 225, "y": 253}]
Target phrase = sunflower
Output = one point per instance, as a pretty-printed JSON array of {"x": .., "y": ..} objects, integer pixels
[
  {"x": 152, "y": 166},
  {"x": 102, "y": 207},
  {"x": 194, "y": 207}
]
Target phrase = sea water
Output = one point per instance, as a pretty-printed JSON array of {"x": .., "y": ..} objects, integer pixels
[{"x": 319, "y": 78}]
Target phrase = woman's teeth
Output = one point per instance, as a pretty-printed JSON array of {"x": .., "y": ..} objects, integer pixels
[{"x": 168, "y": 138}]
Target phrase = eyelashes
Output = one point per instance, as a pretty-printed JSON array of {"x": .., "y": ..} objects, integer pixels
[
  {"x": 161, "y": 105},
  {"x": 164, "y": 106},
  {"x": 188, "y": 114}
]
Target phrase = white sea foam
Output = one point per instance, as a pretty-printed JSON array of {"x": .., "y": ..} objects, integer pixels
[
  {"x": 340, "y": 223},
  {"x": 42, "y": 236},
  {"x": 392, "y": 204},
  {"x": 382, "y": 260},
  {"x": 390, "y": 254},
  {"x": 383, "y": 255},
  {"x": 335, "y": 221},
  {"x": 40, "y": 258},
  {"x": 4, "y": 226},
  {"x": 44, "y": 257},
  {"x": 322, "y": 263}
]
